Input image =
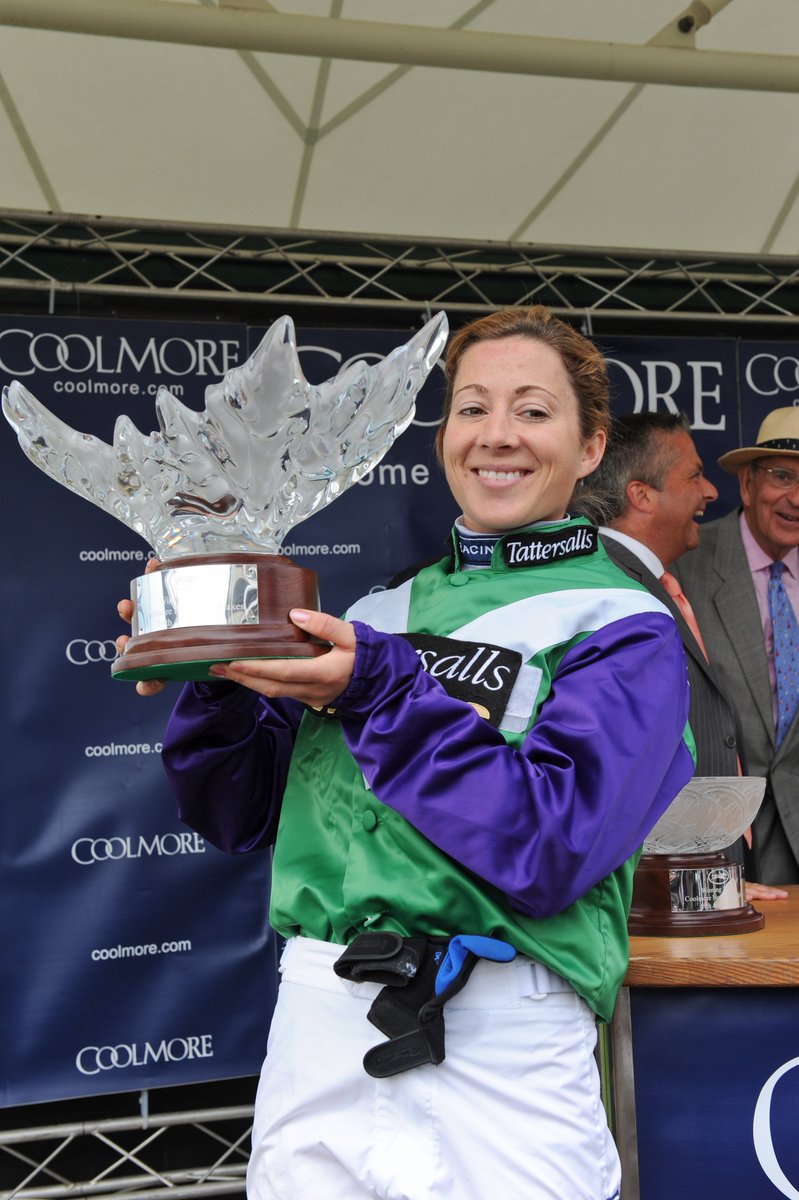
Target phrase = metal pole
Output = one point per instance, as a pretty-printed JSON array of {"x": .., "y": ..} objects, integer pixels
[
  {"x": 623, "y": 1083},
  {"x": 459, "y": 49}
]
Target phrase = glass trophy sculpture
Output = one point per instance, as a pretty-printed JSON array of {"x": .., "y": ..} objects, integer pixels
[
  {"x": 215, "y": 493},
  {"x": 685, "y": 885}
]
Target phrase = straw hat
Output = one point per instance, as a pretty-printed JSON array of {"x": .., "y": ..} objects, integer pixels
[{"x": 779, "y": 434}]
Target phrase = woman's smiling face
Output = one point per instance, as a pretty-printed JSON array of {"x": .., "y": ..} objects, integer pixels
[{"x": 512, "y": 448}]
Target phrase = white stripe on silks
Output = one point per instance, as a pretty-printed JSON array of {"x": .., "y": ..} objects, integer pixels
[
  {"x": 385, "y": 611},
  {"x": 534, "y": 623},
  {"x": 528, "y": 625},
  {"x": 522, "y": 699}
]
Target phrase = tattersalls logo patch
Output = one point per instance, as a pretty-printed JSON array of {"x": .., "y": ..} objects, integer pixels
[
  {"x": 548, "y": 546},
  {"x": 480, "y": 674}
]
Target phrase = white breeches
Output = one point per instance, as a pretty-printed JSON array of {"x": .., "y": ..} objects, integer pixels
[{"x": 514, "y": 1111}]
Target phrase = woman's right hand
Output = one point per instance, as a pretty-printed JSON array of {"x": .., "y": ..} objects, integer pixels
[{"x": 145, "y": 687}]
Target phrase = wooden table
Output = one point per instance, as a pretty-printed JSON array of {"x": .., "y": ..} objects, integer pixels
[
  {"x": 703, "y": 1028},
  {"x": 767, "y": 958}
]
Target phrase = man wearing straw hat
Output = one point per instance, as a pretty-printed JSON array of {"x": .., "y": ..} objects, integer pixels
[{"x": 743, "y": 584}]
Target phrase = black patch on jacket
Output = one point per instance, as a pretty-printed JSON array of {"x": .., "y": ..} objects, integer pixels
[{"x": 481, "y": 674}]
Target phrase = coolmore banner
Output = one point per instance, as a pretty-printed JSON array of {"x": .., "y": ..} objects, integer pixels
[
  {"x": 134, "y": 954},
  {"x": 141, "y": 956},
  {"x": 717, "y": 1111}
]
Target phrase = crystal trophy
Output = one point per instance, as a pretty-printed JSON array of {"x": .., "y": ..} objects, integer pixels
[
  {"x": 214, "y": 493},
  {"x": 685, "y": 885}
]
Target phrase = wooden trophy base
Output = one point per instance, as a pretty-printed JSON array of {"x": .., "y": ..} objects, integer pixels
[
  {"x": 274, "y": 585},
  {"x": 690, "y": 895}
]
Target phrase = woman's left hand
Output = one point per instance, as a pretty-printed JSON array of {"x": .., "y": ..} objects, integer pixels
[{"x": 313, "y": 681}]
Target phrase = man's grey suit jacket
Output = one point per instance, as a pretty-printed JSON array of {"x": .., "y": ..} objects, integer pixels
[{"x": 717, "y": 581}]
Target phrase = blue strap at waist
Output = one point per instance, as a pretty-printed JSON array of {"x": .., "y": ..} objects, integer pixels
[{"x": 466, "y": 943}]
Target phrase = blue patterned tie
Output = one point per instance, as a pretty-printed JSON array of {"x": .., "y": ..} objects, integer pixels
[{"x": 786, "y": 650}]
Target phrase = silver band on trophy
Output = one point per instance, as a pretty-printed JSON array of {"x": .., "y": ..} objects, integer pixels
[
  {"x": 190, "y": 597},
  {"x": 707, "y": 889}
]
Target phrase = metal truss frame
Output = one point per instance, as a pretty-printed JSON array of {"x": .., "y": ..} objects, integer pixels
[
  {"x": 200, "y": 1152},
  {"x": 59, "y": 260}
]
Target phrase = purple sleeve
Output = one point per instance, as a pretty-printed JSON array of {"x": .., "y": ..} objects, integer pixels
[
  {"x": 227, "y": 752},
  {"x": 545, "y": 822}
]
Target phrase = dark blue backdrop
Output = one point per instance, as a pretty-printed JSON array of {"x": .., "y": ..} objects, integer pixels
[{"x": 717, "y": 1092}]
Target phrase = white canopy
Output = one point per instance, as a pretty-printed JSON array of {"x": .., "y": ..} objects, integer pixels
[{"x": 608, "y": 123}]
